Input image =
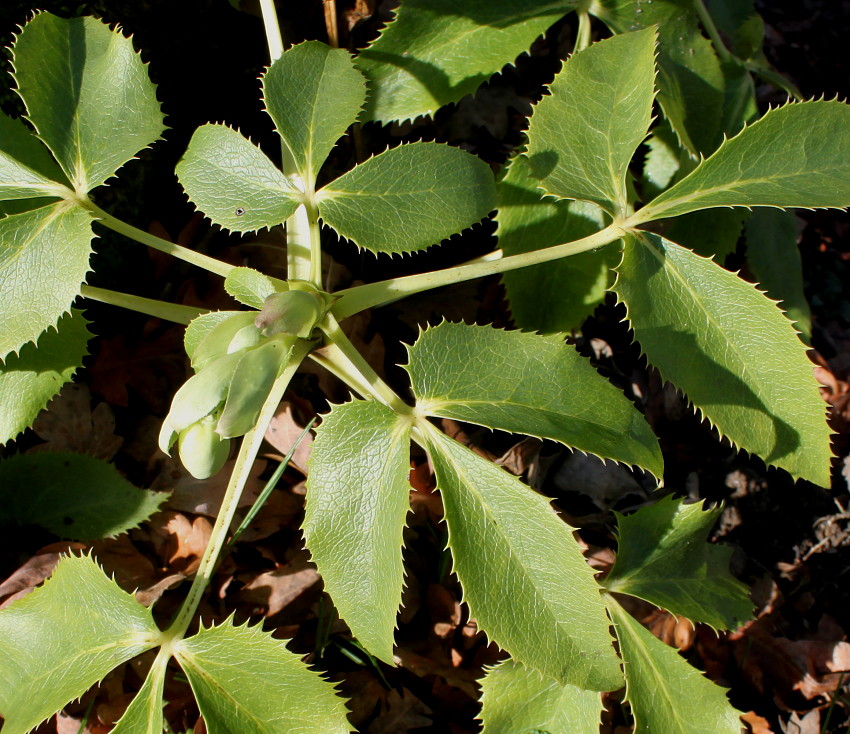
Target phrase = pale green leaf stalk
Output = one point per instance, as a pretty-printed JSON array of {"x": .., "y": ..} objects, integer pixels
[
  {"x": 529, "y": 384},
  {"x": 357, "y": 501},
  {"x": 518, "y": 699},
  {"x": 30, "y": 379},
  {"x": 522, "y": 571},
  {"x": 731, "y": 351},
  {"x": 664, "y": 692},
  {"x": 663, "y": 557},
  {"x": 144, "y": 715},
  {"x": 64, "y": 637},
  {"x": 574, "y": 154}
]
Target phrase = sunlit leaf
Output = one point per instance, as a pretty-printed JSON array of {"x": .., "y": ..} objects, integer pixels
[
  {"x": 26, "y": 168},
  {"x": 249, "y": 286},
  {"x": 409, "y": 197},
  {"x": 357, "y": 500}
]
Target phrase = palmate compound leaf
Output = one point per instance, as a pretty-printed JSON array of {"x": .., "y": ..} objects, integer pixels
[
  {"x": 797, "y": 155},
  {"x": 44, "y": 258},
  {"x": 522, "y": 571},
  {"x": 26, "y": 167},
  {"x": 664, "y": 557},
  {"x": 357, "y": 501},
  {"x": 690, "y": 78},
  {"x": 560, "y": 295},
  {"x": 72, "y": 495},
  {"x": 730, "y": 349},
  {"x": 64, "y": 637},
  {"x": 517, "y": 699},
  {"x": 583, "y": 136},
  {"x": 526, "y": 383},
  {"x": 408, "y": 198},
  {"x": 29, "y": 379},
  {"x": 437, "y": 51},
  {"x": 246, "y": 681},
  {"x": 87, "y": 94},
  {"x": 233, "y": 182},
  {"x": 313, "y": 93},
  {"x": 664, "y": 692}
]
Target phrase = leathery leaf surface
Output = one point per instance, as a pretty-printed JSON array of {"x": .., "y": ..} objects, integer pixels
[
  {"x": 517, "y": 699},
  {"x": 522, "y": 571},
  {"x": 526, "y": 383},
  {"x": 664, "y": 692},
  {"x": 62, "y": 638},
  {"x": 246, "y": 681},
  {"x": 357, "y": 500},
  {"x": 582, "y": 137},
  {"x": 730, "y": 349}
]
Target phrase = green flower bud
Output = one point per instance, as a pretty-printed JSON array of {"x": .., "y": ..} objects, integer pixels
[
  {"x": 202, "y": 451},
  {"x": 293, "y": 312}
]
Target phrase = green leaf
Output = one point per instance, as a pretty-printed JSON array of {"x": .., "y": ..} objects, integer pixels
[
  {"x": 409, "y": 197},
  {"x": 202, "y": 326},
  {"x": 740, "y": 106},
  {"x": 730, "y": 350},
  {"x": 665, "y": 161},
  {"x": 582, "y": 138},
  {"x": 64, "y": 637},
  {"x": 44, "y": 258},
  {"x": 242, "y": 674},
  {"x": 664, "y": 557},
  {"x": 664, "y": 692},
  {"x": 87, "y": 94},
  {"x": 522, "y": 572},
  {"x": 31, "y": 378},
  {"x": 795, "y": 156},
  {"x": 690, "y": 80},
  {"x": 313, "y": 93},
  {"x": 709, "y": 233},
  {"x": 560, "y": 295},
  {"x": 775, "y": 262},
  {"x": 517, "y": 700},
  {"x": 529, "y": 384},
  {"x": 357, "y": 501},
  {"x": 144, "y": 714},
  {"x": 249, "y": 286},
  {"x": 233, "y": 182},
  {"x": 214, "y": 335},
  {"x": 26, "y": 168},
  {"x": 436, "y": 51},
  {"x": 72, "y": 495},
  {"x": 738, "y": 21}
]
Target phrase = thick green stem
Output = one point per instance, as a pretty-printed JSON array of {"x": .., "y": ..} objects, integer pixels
[
  {"x": 273, "y": 37},
  {"x": 708, "y": 23},
  {"x": 247, "y": 453},
  {"x": 583, "y": 34},
  {"x": 315, "y": 246},
  {"x": 160, "y": 309},
  {"x": 157, "y": 243},
  {"x": 348, "y": 364},
  {"x": 359, "y": 298}
]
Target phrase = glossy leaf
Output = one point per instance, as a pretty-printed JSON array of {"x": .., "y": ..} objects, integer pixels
[
  {"x": 72, "y": 495},
  {"x": 409, "y": 197},
  {"x": 44, "y": 258},
  {"x": 436, "y": 51},
  {"x": 529, "y": 384},
  {"x": 774, "y": 259},
  {"x": 522, "y": 572},
  {"x": 518, "y": 699},
  {"x": 26, "y": 168},
  {"x": 357, "y": 501},
  {"x": 795, "y": 156},
  {"x": 664, "y": 692},
  {"x": 313, "y": 93},
  {"x": 233, "y": 182},
  {"x": 583, "y": 136},
  {"x": 560, "y": 295},
  {"x": 690, "y": 80},
  {"x": 664, "y": 557},
  {"x": 731, "y": 351},
  {"x": 144, "y": 714},
  {"x": 247, "y": 681},
  {"x": 249, "y": 286},
  {"x": 64, "y": 637},
  {"x": 31, "y": 378},
  {"x": 83, "y": 85}
]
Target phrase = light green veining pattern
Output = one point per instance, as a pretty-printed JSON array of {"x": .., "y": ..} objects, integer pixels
[{"x": 26, "y": 168}]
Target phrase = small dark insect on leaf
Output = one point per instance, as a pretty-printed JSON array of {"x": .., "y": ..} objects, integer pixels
[{"x": 239, "y": 211}]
